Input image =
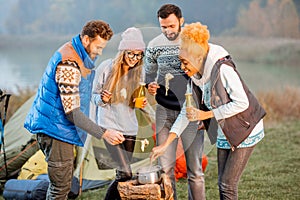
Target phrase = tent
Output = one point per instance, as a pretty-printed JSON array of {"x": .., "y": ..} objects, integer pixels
[
  {"x": 93, "y": 164},
  {"x": 19, "y": 143}
]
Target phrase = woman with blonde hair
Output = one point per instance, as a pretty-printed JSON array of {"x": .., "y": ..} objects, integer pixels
[{"x": 117, "y": 81}]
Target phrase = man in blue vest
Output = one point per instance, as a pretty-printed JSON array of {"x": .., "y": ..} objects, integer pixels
[{"x": 59, "y": 114}]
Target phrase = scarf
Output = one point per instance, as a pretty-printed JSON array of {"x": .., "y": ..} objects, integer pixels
[{"x": 77, "y": 44}]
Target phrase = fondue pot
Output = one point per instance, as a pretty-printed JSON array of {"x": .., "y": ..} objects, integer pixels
[{"x": 149, "y": 174}]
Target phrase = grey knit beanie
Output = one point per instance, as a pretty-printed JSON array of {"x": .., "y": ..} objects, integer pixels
[{"x": 132, "y": 39}]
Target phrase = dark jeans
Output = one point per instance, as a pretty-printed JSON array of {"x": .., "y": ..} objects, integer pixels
[
  {"x": 60, "y": 159},
  {"x": 231, "y": 165},
  {"x": 193, "y": 143},
  {"x": 122, "y": 155}
]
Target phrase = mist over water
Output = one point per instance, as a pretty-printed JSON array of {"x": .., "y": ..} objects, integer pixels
[
  {"x": 13, "y": 75},
  {"x": 23, "y": 68},
  {"x": 10, "y": 76}
]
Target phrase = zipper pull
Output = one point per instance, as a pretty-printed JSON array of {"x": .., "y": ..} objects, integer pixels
[{"x": 232, "y": 148}]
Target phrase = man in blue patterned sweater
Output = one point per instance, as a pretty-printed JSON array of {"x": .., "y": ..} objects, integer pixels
[{"x": 167, "y": 82}]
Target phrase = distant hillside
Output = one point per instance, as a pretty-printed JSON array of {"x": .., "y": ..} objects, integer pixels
[{"x": 67, "y": 17}]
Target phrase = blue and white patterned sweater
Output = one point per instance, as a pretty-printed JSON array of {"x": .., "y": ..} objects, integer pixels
[{"x": 161, "y": 59}]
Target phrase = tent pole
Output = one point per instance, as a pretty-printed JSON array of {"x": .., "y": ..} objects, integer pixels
[
  {"x": 80, "y": 178},
  {"x": 7, "y": 96}
]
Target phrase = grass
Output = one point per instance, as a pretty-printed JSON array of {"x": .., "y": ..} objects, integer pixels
[
  {"x": 281, "y": 105},
  {"x": 272, "y": 171}
]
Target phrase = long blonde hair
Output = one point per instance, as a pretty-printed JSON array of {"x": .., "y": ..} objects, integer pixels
[{"x": 118, "y": 80}]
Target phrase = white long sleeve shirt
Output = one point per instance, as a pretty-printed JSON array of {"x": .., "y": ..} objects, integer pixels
[{"x": 239, "y": 101}]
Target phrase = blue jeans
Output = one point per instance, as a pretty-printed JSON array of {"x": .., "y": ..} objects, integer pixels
[
  {"x": 193, "y": 143},
  {"x": 231, "y": 165}
]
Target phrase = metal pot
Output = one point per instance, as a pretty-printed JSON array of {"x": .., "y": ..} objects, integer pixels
[{"x": 149, "y": 175}]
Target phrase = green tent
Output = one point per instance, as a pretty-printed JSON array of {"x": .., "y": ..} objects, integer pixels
[{"x": 93, "y": 163}]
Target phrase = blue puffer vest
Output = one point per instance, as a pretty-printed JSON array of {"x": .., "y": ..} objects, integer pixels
[{"x": 47, "y": 114}]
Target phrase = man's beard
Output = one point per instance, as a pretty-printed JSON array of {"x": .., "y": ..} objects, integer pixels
[
  {"x": 175, "y": 35},
  {"x": 88, "y": 49},
  {"x": 90, "y": 53}
]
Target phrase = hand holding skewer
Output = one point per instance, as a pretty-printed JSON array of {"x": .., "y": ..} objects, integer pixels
[
  {"x": 113, "y": 137},
  {"x": 152, "y": 88},
  {"x": 106, "y": 96}
]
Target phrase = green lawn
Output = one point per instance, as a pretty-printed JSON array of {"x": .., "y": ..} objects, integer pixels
[{"x": 272, "y": 171}]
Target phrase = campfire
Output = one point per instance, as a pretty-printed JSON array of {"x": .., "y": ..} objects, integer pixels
[{"x": 149, "y": 183}]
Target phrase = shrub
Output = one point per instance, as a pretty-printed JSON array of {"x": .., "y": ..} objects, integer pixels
[
  {"x": 17, "y": 100},
  {"x": 281, "y": 104}
]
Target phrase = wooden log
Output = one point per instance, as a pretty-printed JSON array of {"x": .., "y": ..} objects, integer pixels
[
  {"x": 167, "y": 193},
  {"x": 131, "y": 190}
]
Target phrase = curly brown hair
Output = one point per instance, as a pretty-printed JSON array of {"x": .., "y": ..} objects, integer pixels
[{"x": 97, "y": 27}]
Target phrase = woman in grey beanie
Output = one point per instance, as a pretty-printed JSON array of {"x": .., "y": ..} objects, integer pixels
[{"x": 113, "y": 95}]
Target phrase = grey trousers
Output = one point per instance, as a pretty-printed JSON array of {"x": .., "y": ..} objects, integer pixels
[
  {"x": 60, "y": 159},
  {"x": 193, "y": 143},
  {"x": 231, "y": 165}
]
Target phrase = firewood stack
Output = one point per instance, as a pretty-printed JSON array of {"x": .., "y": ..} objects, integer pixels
[{"x": 132, "y": 190}]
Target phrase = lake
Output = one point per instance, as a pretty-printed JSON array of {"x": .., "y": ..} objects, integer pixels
[{"x": 23, "y": 66}]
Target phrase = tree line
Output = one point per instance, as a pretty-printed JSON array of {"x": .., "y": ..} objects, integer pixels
[{"x": 263, "y": 18}]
